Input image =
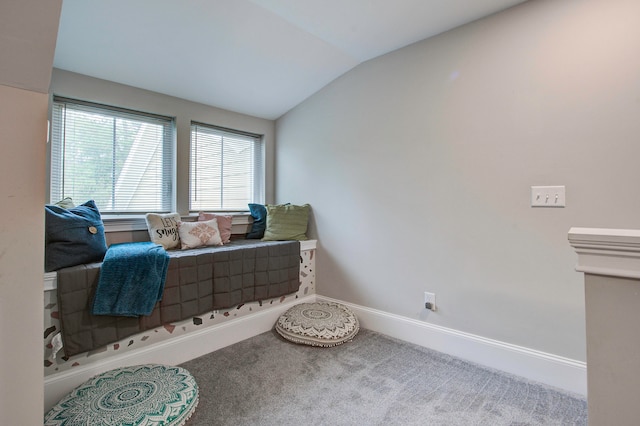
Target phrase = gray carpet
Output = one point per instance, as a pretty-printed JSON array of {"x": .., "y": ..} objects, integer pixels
[{"x": 373, "y": 380}]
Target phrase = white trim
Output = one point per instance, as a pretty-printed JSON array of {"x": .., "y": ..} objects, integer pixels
[
  {"x": 600, "y": 235},
  {"x": 172, "y": 352},
  {"x": 50, "y": 281},
  {"x": 553, "y": 370},
  {"x": 128, "y": 223},
  {"x": 611, "y": 252},
  {"x": 308, "y": 245}
]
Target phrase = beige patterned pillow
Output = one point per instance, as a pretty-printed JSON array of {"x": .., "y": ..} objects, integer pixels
[
  {"x": 198, "y": 234},
  {"x": 163, "y": 229}
]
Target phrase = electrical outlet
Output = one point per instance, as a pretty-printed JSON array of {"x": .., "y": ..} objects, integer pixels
[{"x": 430, "y": 301}]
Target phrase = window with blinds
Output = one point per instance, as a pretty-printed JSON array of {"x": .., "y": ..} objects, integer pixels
[
  {"x": 120, "y": 158},
  {"x": 227, "y": 169}
]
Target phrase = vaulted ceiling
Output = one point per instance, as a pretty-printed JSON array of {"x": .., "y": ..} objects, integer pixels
[{"x": 258, "y": 57}]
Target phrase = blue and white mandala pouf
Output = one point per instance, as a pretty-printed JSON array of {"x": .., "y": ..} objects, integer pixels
[
  {"x": 140, "y": 395},
  {"x": 318, "y": 324}
]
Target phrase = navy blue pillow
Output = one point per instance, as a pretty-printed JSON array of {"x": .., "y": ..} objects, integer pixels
[
  {"x": 73, "y": 236},
  {"x": 259, "y": 214}
]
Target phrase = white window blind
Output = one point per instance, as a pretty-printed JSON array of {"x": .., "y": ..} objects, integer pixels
[
  {"x": 122, "y": 159},
  {"x": 227, "y": 169}
]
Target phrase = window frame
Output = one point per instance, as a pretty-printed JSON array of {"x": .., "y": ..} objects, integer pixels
[
  {"x": 168, "y": 167},
  {"x": 258, "y": 173}
]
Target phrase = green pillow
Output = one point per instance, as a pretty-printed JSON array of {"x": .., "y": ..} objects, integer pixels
[
  {"x": 286, "y": 222},
  {"x": 66, "y": 203}
]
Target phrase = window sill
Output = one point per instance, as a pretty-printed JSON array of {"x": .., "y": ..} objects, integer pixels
[{"x": 138, "y": 223}]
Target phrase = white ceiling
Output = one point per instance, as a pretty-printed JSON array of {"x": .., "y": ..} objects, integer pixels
[{"x": 258, "y": 57}]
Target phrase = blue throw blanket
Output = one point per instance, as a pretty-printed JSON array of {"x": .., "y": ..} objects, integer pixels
[{"x": 131, "y": 279}]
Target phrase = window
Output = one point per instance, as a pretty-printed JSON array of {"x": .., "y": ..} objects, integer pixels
[
  {"x": 226, "y": 168},
  {"x": 122, "y": 159}
]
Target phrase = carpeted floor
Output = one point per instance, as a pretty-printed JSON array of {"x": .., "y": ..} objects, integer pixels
[{"x": 373, "y": 380}]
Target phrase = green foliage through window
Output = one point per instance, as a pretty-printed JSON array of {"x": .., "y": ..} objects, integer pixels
[{"x": 121, "y": 159}]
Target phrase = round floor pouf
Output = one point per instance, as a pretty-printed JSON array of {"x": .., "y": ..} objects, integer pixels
[
  {"x": 140, "y": 395},
  {"x": 318, "y": 324}
]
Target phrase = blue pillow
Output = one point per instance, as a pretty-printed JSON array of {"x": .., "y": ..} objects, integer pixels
[
  {"x": 259, "y": 214},
  {"x": 73, "y": 236}
]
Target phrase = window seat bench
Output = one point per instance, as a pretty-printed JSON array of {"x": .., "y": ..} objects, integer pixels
[{"x": 198, "y": 281}]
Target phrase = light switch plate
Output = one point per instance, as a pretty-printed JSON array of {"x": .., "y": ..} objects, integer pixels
[{"x": 548, "y": 196}]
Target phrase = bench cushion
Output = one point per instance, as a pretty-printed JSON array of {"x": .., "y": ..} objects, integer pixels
[{"x": 198, "y": 281}]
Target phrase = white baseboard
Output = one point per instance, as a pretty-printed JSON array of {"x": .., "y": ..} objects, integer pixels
[
  {"x": 171, "y": 352},
  {"x": 552, "y": 370}
]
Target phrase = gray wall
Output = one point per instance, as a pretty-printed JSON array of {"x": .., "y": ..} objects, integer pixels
[
  {"x": 78, "y": 86},
  {"x": 418, "y": 166}
]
